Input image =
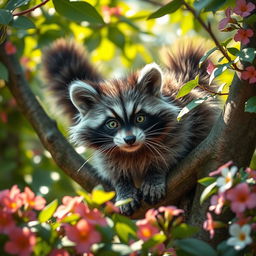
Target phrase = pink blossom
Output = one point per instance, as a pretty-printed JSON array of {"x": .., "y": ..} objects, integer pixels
[
  {"x": 241, "y": 198},
  {"x": 12, "y": 200},
  {"x": 92, "y": 216},
  {"x": 68, "y": 206},
  {"x": 29, "y": 215},
  {"x": 243, "y": 35},
  {"x": 83, "y": 234},
  {"x": 146, "y": 230},
  {"x": 31, "y": 201},
  {"x": 170, "y": 211},
  {"x": 243, "y": 9},
  {"x": 59, "y": 252},
  {"x": 223, "y": 23},
  {"x": 249, "y": 73},
  {"x": 3, "y": 193},
  {"x": 218, "y": 171},
  {"x": 111, "y": 208},
  {"x": 22, "y": 242},
  {"x": 210, "y": 67},
  {"x": 251, "y": 173},
  {"x": 217, "y": 202},
  {"x": 209, "y": 225},
  {"x": 10, "y": 48},
  {"x": 6, "y": 222},
  {"x": 151, "y": 216}
]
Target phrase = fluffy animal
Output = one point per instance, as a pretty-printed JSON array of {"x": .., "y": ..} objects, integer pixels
[{"x": 131, "y": 123}]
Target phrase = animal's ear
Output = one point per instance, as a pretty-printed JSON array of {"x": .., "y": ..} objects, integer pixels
[
  {"x": 83, "y": 96},
  {"x": 150, "y": 79}
]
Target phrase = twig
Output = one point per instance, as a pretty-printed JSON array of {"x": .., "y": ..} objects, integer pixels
[
  {"x": 31, "y": 9},
  {"x": 209, "y": 30},
  {"x": 210, "y": 91}
]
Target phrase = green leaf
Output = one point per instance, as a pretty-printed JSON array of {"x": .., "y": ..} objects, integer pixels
[
  {"x": 22, "y": 22},
  {"x": 87, "y": 197},
  {"x": 191, "y": 105},
  {"x": 3, "y": 72},
  {"x": 124, "y": 228},
  {"x": 225, "y": 43},
  {"x": 247, "y": 54},
  {"x": 207, "y": 181},
  {"x": 116, "y": 36},
  {"x": 183, "y": 231},
  {"x": 207, "y": 54},
  {"x": 250, "y": 20},
  {"x": 195, "y": 247},
  {"x": 171, "y": 7},
  {"x": 100, "y": 197},
  {"x": 48, "y": 211},
  {"x": 156, "y": 239},
  {"x": 208, "y": 191},
  {"x": 93, "y": 42},
  {"x": 122, "y": 202},
  {"x": 107, "y": 233},
  {"x": 218, "y": 71},
  {"x": 227, "y": 250},
  {"x": 114, "y": 249},
  {"x": 250, "y": 105},
  {"x": 214, "y": 5},
  {"x": 71, "y": 218},
  {"x": 13, "y": 4},
  {"x": 208, "y": 5},
  {"x": 5, "y": 17},
  {"x": 78, "y": 11},
  {"x": 44, "y": 231},
  {"x": 187, "y": 87},
  {"x": 233, "y": 51}
]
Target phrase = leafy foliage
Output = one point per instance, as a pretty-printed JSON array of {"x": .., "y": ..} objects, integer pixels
[{"x": 119, "y": 35}]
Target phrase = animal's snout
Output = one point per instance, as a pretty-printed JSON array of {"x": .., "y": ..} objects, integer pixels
[{"x": 130, "y": 139}]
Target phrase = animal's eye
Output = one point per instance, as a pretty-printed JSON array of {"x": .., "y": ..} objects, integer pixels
[
  {"x": 112, "y": 124},
  {"x": 140, "y": 118}
]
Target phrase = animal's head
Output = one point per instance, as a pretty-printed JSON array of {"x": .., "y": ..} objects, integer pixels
[{"x": 123, "y": 115}]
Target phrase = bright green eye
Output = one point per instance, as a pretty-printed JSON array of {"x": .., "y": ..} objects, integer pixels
[
  {"x": 112, "y": 124},
  {"x": 140, "y": 119}
]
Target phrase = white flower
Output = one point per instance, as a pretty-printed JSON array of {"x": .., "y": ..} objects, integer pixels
[
  {"x": 240, "y": 236},
  {"x": 225, "y": 182}
]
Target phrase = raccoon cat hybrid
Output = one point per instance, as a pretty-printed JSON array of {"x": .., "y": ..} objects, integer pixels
[{"x": 131, "y": 123}]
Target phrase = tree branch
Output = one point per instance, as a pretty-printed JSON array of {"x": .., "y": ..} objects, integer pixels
[
  {"x": 62, "y": 152},
  {"x": 31, "y": 9}
]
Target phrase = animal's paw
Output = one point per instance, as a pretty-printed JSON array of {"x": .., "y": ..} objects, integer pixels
[
  {"x": 152, "y": 193},
  {"x": 130, "y": 207}
]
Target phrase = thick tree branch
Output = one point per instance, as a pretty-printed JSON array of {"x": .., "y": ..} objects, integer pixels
[{"x": 62, "y": 152}]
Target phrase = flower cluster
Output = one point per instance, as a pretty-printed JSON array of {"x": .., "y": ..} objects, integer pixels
[
  {"x": 14, "y": 206},
  {"x": 236, "y": 190},
  {"x": 243, "y": 35},
  {"x": 82, "y": 225}
]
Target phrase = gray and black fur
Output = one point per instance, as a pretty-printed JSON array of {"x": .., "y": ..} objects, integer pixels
[{"x": 131, "y": 123}]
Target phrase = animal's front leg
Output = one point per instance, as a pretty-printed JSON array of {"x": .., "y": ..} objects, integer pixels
[
  {"x": 125, "y": 189},
  {"x": 153, "y": 188}
]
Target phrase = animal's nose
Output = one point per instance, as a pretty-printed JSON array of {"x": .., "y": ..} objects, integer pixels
[{"x": 130, "y": 139}]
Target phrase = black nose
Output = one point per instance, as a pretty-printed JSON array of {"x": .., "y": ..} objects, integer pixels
[{"x": 130, "y": 139}]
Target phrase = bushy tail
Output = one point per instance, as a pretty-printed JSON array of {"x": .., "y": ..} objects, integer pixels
[
  {"x": 183, "y": 62},
  {"x": 63, "y": 62}
]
